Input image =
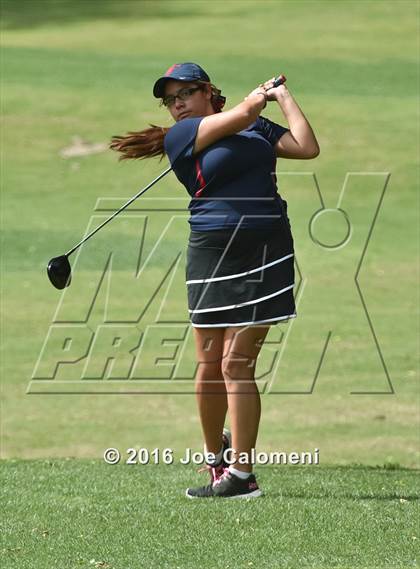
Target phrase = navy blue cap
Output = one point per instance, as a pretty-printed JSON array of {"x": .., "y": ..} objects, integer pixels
[{"x": 180, "y": 72}]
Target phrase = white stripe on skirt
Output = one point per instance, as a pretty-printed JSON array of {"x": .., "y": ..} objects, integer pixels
[
  {"x": 200, "y": 310},
  {"x": 237, "y": 275},
  {"x": 242, "y": 323}
]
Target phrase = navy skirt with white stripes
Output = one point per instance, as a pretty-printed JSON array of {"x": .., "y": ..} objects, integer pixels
[{"x": 241, "y": 277}]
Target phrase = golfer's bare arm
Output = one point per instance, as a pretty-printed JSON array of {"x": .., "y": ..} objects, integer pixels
[
  {"x": 217, "y": 126},
  {"x": 300, "y": 142}
]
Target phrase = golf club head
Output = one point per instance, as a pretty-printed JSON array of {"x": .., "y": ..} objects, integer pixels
[{"x": 59, "y": 272}]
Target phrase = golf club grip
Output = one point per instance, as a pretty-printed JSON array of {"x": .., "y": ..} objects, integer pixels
[{"x": 279, "y": 81}]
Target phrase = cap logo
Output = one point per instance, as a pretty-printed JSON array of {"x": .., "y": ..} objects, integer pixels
[{"x": 169, "y": 71}]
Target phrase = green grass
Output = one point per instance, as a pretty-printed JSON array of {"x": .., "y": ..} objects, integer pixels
[
  {"x": 87, "y": 69},
  {"x": 67, "y": 513},
  {"x": 353, "y": 71}
]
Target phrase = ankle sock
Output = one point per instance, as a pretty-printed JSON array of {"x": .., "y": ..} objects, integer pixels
[{"x": 239, "y": 473}]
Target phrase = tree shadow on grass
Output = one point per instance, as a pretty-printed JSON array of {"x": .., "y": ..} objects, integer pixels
[{"x": 27, "y": 14}]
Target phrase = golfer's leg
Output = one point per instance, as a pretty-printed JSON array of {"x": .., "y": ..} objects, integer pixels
[
  {"x": 242, "y": 346},
  {"x": 210, "y": 386}
]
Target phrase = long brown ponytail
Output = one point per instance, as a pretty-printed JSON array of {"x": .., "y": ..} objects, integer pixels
[
  {"x": 148, "y": 142},
  {"x": 144, "y": 143}
]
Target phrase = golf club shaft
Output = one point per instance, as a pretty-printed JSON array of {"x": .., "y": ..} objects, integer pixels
[{"x": 130, "y": 201}]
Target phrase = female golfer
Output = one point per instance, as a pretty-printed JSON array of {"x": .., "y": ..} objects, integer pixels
[{"x": 240, "y": 257}]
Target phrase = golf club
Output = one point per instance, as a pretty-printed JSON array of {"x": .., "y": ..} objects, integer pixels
[
  {"x": 279, "y": 81},
  {"x": 59, "y": 269}
]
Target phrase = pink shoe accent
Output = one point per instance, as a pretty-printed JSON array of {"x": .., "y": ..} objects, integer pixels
[
  {"x": 222, "y": 474},
  {"x": 215, "y": 472}
]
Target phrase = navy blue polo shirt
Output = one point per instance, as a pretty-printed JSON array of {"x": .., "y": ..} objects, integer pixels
[{"x": 232, "y": 181}]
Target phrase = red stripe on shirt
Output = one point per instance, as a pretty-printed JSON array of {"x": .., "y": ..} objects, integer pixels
[{"x": 200, "y": 178}]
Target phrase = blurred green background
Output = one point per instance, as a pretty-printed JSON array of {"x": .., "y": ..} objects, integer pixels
[{"x": 86, "y": 69}]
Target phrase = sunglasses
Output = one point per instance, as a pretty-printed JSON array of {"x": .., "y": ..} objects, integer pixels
[{"x": 182, "y": 95}]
